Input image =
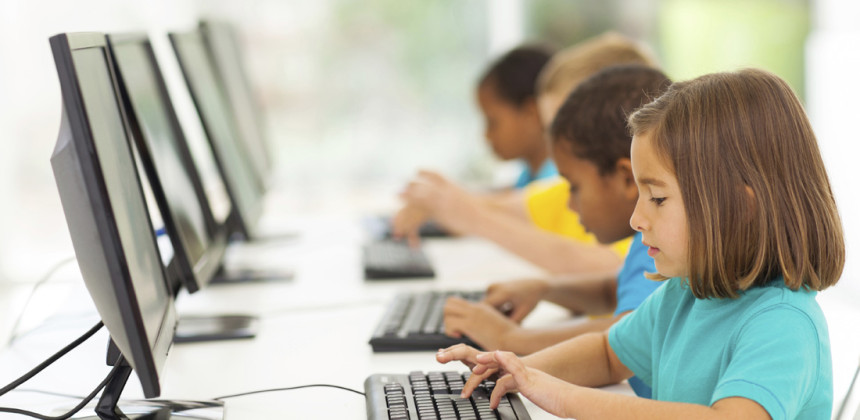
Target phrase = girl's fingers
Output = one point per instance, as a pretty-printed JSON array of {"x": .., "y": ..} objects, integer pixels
[
  {"x": 504, "y": 385},
  {"x": 516, "y": 373},
  {"x": 475, "y": 379},
  {"x": 459, "y": 352}
]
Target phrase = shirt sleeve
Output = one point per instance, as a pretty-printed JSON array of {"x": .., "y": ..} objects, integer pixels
[
  {"x": 631, "y": 338},
  {"x": 775, "y": 359}
]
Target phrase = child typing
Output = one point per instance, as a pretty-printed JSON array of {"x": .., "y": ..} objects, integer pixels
[
  {"x": 736, "y": 209},
  {"x": 591, "y": 146}
]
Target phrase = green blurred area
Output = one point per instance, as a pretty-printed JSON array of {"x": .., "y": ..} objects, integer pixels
[{"x": 691, "y": 37}]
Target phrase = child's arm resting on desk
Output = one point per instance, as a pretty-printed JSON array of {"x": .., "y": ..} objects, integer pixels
[
  {"x": 592, "y": 293},
  {"x": 490, "y": 329},
  {"x": 589, "y": 361}
]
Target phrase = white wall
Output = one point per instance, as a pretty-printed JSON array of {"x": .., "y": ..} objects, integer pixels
[
  {"x": 833, "y": 104},
  {"x": 31, "y": 219}
]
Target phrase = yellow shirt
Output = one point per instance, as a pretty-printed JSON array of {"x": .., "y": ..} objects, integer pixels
[{"x": 546, "y": 203}]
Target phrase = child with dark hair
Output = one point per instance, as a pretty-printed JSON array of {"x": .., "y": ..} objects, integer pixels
[
  {"x": 591, "y": 146},
  {"x": 506, "y": 96},
  {"x": 736, "y": 210}
]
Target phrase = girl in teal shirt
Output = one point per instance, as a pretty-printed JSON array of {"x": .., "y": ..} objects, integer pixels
[{"x": 737, "y": 212}]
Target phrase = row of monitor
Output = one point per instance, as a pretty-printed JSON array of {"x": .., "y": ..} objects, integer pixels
[{"x": 121, "y": 143}]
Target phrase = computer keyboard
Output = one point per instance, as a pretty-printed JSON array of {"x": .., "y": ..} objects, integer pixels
[
  {"x": 413, "y": 321},
  {"x": 435, "y": 395},
  {"x": 388, "y": 259}
]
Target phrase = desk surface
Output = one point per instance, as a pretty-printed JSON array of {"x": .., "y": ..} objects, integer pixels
[{"x": 314, "y": 329}]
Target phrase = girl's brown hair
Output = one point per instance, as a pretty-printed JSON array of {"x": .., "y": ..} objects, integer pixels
[{"x": 757, "y": 196}]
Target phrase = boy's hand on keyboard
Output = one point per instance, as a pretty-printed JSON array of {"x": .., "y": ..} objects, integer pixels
[
  {"x": 482, "y": 323},
  {"x": 518, "y": 297}
]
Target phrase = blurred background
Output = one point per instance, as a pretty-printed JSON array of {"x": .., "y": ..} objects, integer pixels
[{"x": 360, "y": 94}]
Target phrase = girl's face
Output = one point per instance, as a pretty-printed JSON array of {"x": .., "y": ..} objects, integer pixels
[
  {"x": 511, "y": 130},
  {"x": 659, "y": 214}
]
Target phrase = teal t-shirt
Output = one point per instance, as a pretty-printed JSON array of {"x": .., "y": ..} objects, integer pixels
[
  {"x": 769, "y": 345},
  {"x": 633, "y": 288}
]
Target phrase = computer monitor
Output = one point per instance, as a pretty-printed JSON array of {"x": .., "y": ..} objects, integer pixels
[
  {"x": 199, "y": 241},
  {"x": 107, "y": 216},
  {"x": 243, "y": 184},
  {"x": 224, "y": 46},
  {"x": 198, "y": 238}
]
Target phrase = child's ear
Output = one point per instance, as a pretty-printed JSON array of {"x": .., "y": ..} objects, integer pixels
[
  {"x": 624, "y": 170},
  {"x": 532, "y": 109}
]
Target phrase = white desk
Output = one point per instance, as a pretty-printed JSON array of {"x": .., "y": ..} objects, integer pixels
[{"x": 314, "y": 329}]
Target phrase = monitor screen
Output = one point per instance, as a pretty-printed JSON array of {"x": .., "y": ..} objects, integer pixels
[
  {"x": 200, "y": 240},
  {"x": 243, "y": 184},
  {"x": 224, "y": 46},
  {"x": 106, "y": 211}
]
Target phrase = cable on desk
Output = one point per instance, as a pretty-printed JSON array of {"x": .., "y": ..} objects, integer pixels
[
  {"x": 24, "y": 378},
  {"x": 39, "y": 283},
  {"x": 74, "y": 409},
  {"x": 51, "y": 393},
  {"x": 288, "y": 389},
  {"x": 59, "y": 322}
]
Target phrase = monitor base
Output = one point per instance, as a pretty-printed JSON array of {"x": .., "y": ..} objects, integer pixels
[
  {"x": 194, "y": 329},
  {"x": 160, "y": 410},
  {"x": 252, "y": 275}
]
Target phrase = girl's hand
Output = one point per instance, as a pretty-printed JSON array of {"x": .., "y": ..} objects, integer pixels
[
  {"x": 546, "y": 391},
  {"x": 459, "y": 352}
]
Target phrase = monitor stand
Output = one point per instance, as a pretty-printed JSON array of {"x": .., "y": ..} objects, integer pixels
[
  {"x": 194, "y": 329},
  {"x": 252, "y": 275},
  {"x": 273, "y": 236},
  {"x": 110, "y": 407}
]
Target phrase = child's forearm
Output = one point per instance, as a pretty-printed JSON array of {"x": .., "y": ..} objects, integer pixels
[
  {"x": 528, "y": 341},
  {"x": 593, "y": 294},
  {"x": 552, "y": 252},
  {"x": 585, "y": 403},
  {"x": 584, "y": 360},
  {"x": 511, "y": 202}
]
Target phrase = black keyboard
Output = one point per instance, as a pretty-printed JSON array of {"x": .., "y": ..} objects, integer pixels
[
  {"x": 385, "y": 259},
  {"x": 413, "y": 321},
  {"x": 435, "y": 395}
]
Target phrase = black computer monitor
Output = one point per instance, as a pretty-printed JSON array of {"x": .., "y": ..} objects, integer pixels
[
  {"x": 224, "y": 46},
  {"x": 108, "y": 219},
  {"x": 199, "y": 240},
  {"x": 107, "y": 216},
  {"x": 236, "y": 166}
]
